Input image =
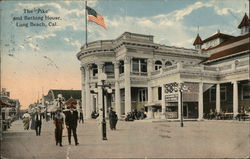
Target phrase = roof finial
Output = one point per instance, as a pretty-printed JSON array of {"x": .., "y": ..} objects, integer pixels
[
  {"x": 218, "y": 31},
  {"x": 198, "y": 30}
]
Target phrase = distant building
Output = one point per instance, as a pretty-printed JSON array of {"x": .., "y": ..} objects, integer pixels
[
  {"x": 9, "y": 107},
  {"x": 139, "y": 70},
  {"x": 57, "y": 98}
]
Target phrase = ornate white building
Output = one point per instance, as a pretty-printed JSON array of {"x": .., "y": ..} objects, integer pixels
[{"x": 139, "y": 71}]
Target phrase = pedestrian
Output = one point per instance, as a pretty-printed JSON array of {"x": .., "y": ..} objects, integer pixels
[
  {"x": 32, "y": 125},
  {"x": 26, "y": 120},
  {"x": 59, "y": 125},
  {"x": 112, "y": 119},
  {"x": 38, "y": 123},
  {"x": 81, "y": 117},
  {"x": 71, "y": 118}
]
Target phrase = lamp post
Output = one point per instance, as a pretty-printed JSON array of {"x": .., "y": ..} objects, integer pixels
[
  {"x": 181, "y": 107},
  {"x": 103, "y": 78}
]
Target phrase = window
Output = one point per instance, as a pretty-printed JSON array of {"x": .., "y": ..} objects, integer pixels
[
  {"x": 109, "y": 68},
  {"x": 212, "y": 94},
  {"x": 168, "y": 63},
  {"x": 94, "y": 69},
  {"x": 143, "y": 65},
  {"x": 121, "y": 67},
  {"x": 197, "y": 46},
  {"x": 135, "y": 65},
  {"x": 143, "y": 95},
  {"x": 139, "y": 65},
  {"x": 246, "y": 91},
  {"x": 159, "y": 93},
  {"x": 158, "y": 65}
]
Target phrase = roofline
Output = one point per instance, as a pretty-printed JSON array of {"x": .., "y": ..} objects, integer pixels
[
  {"x": 226, "y": 57},
  {"x": 207, "y": 39}
]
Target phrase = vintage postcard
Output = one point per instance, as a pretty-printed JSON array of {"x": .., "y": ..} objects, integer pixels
[{"x": 125, "y": 79}]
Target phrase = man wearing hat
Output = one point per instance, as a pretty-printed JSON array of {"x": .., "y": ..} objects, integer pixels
[{"x": 71, "y": 118}]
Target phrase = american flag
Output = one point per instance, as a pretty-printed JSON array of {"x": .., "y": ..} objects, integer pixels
[{"x": 95, "y": 17}]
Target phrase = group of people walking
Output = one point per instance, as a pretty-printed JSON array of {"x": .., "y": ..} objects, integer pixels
[
  {"x": 36, "y": 121},
  {"x": 68, "y": 118},
  {"x": 71, "y": 120}
]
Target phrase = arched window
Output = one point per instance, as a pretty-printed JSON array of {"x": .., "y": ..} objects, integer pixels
[
  {"x": 94, "y": 70},
  {"x": 168, "y": 63},
  {"x": 158, "y": 65}
]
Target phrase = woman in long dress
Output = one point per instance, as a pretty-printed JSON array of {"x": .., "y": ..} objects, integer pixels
[{"x": 26, "y": 121}]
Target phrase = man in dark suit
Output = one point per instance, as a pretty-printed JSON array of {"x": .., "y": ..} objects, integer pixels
[
  {"x": 71, "y": 118},
  {"x": 38, "y": 123}
]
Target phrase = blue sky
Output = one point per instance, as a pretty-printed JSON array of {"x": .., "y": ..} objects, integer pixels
[{"x": 48, "y": 54}]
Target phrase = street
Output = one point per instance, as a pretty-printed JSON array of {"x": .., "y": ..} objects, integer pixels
[{"x": 138, "y": 139}]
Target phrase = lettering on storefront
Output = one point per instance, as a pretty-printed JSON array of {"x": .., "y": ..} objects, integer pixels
[{"x": 171, "y": 98}]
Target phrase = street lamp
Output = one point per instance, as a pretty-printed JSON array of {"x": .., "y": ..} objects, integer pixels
[
  {"x": 106, "y": 88},
  {"x": 103, "y": 77}
]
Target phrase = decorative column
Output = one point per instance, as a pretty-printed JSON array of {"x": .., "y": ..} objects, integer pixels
[
  {"x": 235, "y": 98},
  {"x": 163, "y": 103},
  {"x": 218, "y": 97},
  {"x": 200, "y": 101},
  {"x": 149, "y": 66},
  {"x": 150, "y": 100},
  {"x": 117, "y": 90},
  {"x": 150, "y": 91},
  {"x": 179, "y": 105},
  {"x": 100, "y": 68},
  {"x": 87, "y": 88},
  {"x": 91, "y": 103},
  {"x": 83, "y": 102},
  {"x": 127, "y": 69}
]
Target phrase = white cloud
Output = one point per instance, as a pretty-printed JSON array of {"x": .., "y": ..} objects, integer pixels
[
  {"x": 73, "y": 42},
  {"x": 186, "y": 11},
  {"x": 44, "y": 36},
  {"x": 33, "y": 46},
  {"x": 67, "y": 39},
  {"x": 222, "y": 11}
]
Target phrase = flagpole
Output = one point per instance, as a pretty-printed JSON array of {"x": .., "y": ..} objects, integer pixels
[{"x": 86, "y": 25}]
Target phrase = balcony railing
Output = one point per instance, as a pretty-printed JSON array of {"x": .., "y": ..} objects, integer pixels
[{"x": 139, "y": 73}]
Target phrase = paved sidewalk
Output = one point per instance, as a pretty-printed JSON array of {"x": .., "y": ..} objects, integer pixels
[{"x": 139, "y": 139}]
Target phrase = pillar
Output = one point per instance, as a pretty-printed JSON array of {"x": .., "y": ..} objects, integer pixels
[
  {"x": 200, "y": 101},
  {"x": 235, "y": 98},
  {"x": 218, "y": 97},
  {"x": 179, "y": 105},
  {"x": 149, "y": 67},
  {"x": 150, "y": 91},
  {"x": 150, "y": 100},
  {"x": 163, "y": 103},
  {"x": 127, "y": 69},
  {"x": 83, "y": 101},
  {"x": 117, "y": 90},
  {"x": 87, "y": 89}
]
